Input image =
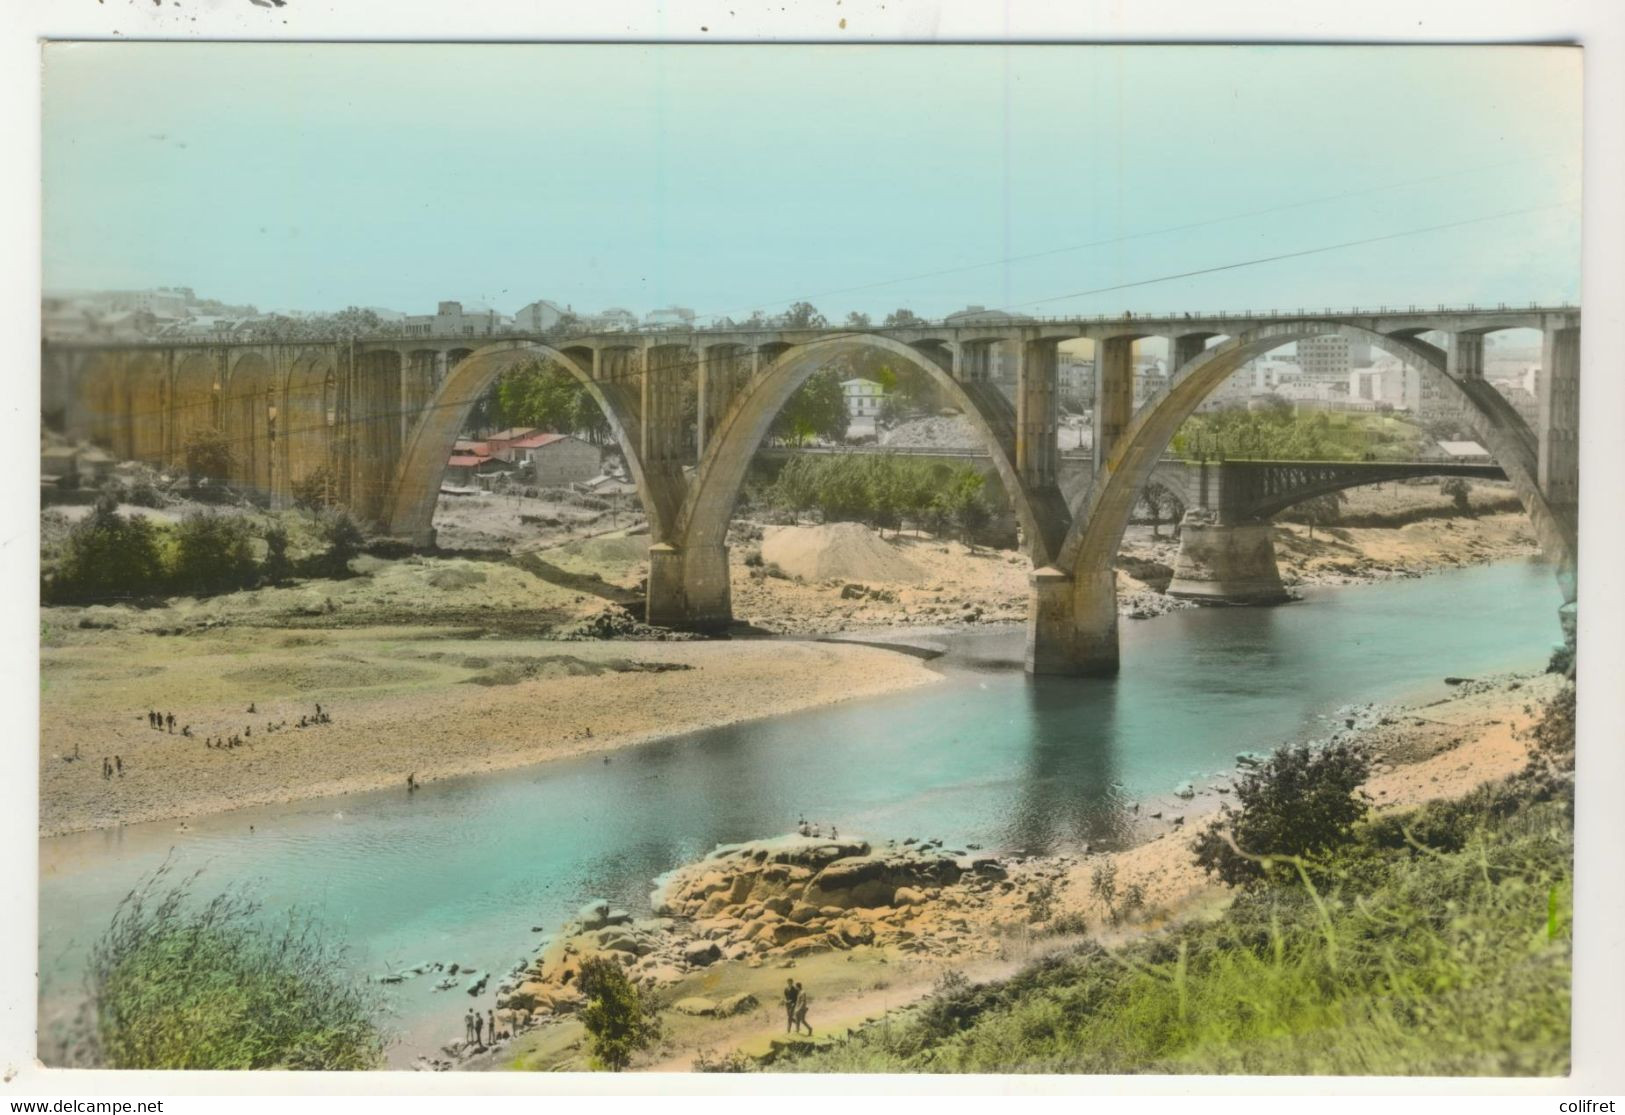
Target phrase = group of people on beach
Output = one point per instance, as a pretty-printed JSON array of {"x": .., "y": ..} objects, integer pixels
[
  {"x": 796, "y": 1001},
  {"x": 807, "y": 829},
  {"x": 477, "y": 1028},
  {"x": 110, "y": 765}
]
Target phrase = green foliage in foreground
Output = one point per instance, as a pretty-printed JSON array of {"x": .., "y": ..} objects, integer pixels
[
  {"x": 617, "y": 1021},
  {"x": 177, "y": 985},
  {"x": 1436, "y": 943}
]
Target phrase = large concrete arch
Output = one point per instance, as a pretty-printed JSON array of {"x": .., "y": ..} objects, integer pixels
[
  {"x": 1073, "y": 614},
  {"x": 306, "y": 419},
  {"x": 709, "y": 506},
  {"x": 688, "y": 574},
  {"x": 106, "y": 404},
  {"x": 149, "y": 418},
  {"x": 409, "y": 512},
  {"x": 192, "y": 403},
  {"x": 249, "y": 395}
]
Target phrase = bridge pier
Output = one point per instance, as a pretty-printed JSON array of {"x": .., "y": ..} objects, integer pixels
[
  {"x": 1223, "y": 563},
  {"x": 1072, "y": 624},
  {"x": 688, "y": 588}
]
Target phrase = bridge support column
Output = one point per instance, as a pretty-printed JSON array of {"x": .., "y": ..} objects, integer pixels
[
  {"x": 1114, "y": 394},
  {"x": 688, "y": 588},
  {"x": 1226, "y": 563},
  {"x": 1558, "y": 452},
  {"x": 1072, "y": 623},
  {"x": 1037, "y": 415}
]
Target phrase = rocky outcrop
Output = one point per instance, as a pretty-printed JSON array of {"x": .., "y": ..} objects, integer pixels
[{"x": 770, "y": 901}]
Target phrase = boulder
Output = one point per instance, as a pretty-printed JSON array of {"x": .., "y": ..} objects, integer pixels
[
  {"x": 696, "y": 1006},
  {"x": 701, "y": 953},
  {"x": 595, "y": 914},
  {"x": 737, "y": 1004}
]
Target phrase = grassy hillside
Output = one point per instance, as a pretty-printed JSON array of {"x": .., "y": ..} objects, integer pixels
[{"x": 1435, "y": 943}]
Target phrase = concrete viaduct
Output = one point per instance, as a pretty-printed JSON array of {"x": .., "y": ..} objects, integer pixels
[{"x": 381, "y": 412}]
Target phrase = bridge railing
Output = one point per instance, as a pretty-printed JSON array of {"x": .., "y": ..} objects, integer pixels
[{"x": 389, "y": 336}]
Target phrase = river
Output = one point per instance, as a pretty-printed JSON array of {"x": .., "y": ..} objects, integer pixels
[{"x": 463, "y": 870}]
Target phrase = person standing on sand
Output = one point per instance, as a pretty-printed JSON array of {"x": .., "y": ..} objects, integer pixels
[
  {"x": 468, "y": 1025},
  {"x": 107, "y": 769},
  {"x": 491, "y": 1024},
  {"x": 479, "y": 1029},
  {"x": 802, "y": 1001},
  {"x": 118, "y": 761},
  {"x": 791, "y": 994}
]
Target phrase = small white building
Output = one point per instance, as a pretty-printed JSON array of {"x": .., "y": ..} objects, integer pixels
[
  {"x": 539, "y": 316},
  {"x": 863, "y": 397},
  {"x": 1465, "y": 452},
  {"x": 556, "y": 460}
]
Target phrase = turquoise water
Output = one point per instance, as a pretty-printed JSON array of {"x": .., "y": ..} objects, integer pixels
[{"x": 462, "y": 870}]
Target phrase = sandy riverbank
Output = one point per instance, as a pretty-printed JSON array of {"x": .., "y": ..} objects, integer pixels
[
  {"x": 424, "y": 700},
  {"x": 718, "y": 964}
]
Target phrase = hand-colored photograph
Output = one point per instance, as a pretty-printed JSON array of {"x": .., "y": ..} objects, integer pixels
[{"x": 798, "y": 559}]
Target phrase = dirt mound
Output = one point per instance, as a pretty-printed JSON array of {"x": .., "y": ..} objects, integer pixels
[
  {"x": 933, "y": 433},
  {"x": 837, "y": 551}
]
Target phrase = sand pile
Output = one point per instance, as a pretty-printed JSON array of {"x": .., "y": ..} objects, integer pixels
[
  {"x": 939, "y": 432},
  {"x": 837, "y": 551}
]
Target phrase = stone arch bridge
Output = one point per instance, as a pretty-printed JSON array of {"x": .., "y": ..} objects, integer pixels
[{"x": 379, "y": 415}]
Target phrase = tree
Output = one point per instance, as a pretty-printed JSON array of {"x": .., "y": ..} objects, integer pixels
[
  {"x": 344, "y": 539},
  {"x": 108, "y": 557},
  {"x": 276, "y": 568},
  {"x": 1321, "y": 510},
  {"x": 212, "y": 554},
  {"x": 1301, "y": 801},
  {"x": 1163, "y": 504},
  {"x": 963, "y": 504},
  {"x": 617, "y": 1022},
  {"x": 1460, "y": 493},
  {"x": 316, "y": 490},
  {"x": 803, "y": 315},
  {"x": 902, "y": 317},
  {"x": 208, "y": 457},
  {"x": 817, "y": 409},
  {"x": 857, "y": 320}
]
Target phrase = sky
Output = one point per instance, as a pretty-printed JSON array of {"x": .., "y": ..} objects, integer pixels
[{"x": 1050, "y": 180}]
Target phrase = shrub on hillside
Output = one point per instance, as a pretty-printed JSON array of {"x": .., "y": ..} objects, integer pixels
[
  {"x": 277, "y": 567},
  {"x": 108, "y": 557},
  {"x": 315, "y": 491},
  {"x": 344, "y": 539},
  {"x": 177, "y": 985},
  {"x": 1301, "y": 801},
  {"x": 617, "y": 1021},
  {"x": 208, "y": 457},
  {"x": 212, "y": 553}
]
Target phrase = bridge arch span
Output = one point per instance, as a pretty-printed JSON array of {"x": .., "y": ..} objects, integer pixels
[
  {"x": 409, "y": 509},
  {"x": 688, "y": 575},
  {"x": 1073, "y": 617}
]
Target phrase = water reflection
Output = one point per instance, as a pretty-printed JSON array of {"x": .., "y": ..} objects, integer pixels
[{"x": 1071, "y": 793}]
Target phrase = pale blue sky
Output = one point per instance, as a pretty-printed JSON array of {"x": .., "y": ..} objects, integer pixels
[{"x": 734, "y": 178}]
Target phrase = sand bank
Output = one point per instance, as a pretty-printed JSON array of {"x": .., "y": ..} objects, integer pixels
[{"x": 401, "y": 700}]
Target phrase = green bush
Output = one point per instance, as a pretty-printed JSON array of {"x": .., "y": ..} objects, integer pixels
[
  {"x": 277, "y": 567},
  {"x": 179, "y": 985},
  {"x": 108, "y": 557},
  {"x": 884, "y": 490},
  {"x": 344, "y": 538},
  {"x": 316, "y": 490},
  {"x": 1301, "y": 801},
  {"x": 617, "y": 1022},
  {"x": 208, "y": 457},
  {"x": 212, "y": 553}
]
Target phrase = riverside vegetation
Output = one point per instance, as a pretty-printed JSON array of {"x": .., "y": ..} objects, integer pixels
[{"x": 1433, "y": 942}]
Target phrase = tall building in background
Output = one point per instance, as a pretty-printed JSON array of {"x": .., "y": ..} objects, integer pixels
[{"x": 1325, "y": 359}]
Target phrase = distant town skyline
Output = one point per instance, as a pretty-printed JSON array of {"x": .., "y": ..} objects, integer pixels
[{"x": 733, "y": 179}]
